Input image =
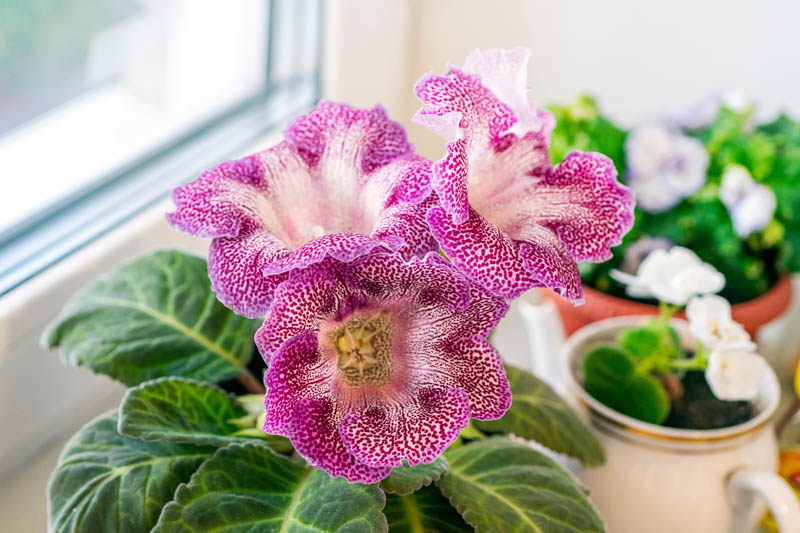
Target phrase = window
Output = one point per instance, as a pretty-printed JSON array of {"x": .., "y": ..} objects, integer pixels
[{"x": 105, "y": 105}]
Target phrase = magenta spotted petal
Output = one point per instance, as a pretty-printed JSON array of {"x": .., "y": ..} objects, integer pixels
[
  {"x": 345, "y": 182},
  {"x": 507, "y": 218},
  {"x": 380, "y": 361}
]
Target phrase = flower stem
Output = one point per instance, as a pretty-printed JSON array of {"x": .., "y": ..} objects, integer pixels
[{"x": 251, "y": 383}]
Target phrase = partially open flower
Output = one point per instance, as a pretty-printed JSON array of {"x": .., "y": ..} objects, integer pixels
[
  {"x": 379, "y": 361},
  {"x": 750, "y": 204},
  {"x": 507, "y": 218},
  {"x": 664, "y": 166},
  {"x": 735, "y": 374},
  {"x": 711, "y": 323},
  {"x": 343, "y": 182},
  {"x": 672, "y": 276}
]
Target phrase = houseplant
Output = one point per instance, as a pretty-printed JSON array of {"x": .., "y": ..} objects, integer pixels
[
  {"x": 710, "y": 180},
  {"x": 684, "y": 410},
  {"x": 328, "y": 251}
]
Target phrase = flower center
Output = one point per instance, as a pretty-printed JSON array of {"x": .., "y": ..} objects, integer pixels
[{"x": 363, "y": 347}]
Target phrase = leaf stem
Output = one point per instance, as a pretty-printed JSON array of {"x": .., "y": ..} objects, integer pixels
[{"x": 250, "y": 383}]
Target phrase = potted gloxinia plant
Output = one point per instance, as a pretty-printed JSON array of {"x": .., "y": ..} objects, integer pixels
[
  {"x": 689, "y": 404},
  {"x": 711, "y": 179},
  {"x": 368, "y": 279}
]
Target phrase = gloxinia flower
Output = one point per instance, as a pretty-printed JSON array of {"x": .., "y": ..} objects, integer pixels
[
  {"x": 343, "y": 182},
  {"x": 507, "y": 218},
  {"x": 663, "y": 166},
  {"x": 750, "y": 204},
  {"x": 379, "y": 361},
  {"x": 672, "y": 276}
]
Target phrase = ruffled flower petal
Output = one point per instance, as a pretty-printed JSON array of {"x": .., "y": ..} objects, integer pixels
[
  {"x": 314, "y": 435},
  {"x": 341, "y": 185},
  {"x": 298, "y": 371},
  {"x": 389, "y": 355},
  {"x": 483, "y": 252},
  {"x": 437, "y": 283},
  {"x": 473, "y": 365},
  {"x": 235, "y": 266},
  {"x": 417, "y": 432},
  {"x": 298, "y": 304},
  {"x": 515, "y": 222}
]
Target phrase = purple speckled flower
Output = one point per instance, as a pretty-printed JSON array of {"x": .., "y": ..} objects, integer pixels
[
  {"x": 508, "y": 218},
  {"x": 343, "y": 182},
  {"x": 379, "y": 361}
]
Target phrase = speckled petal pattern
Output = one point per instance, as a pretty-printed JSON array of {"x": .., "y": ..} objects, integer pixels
[
  {"x": 299, "y": 302},
  {"x": 234, "y": 266},
  {"x": 483, "y": 252},
  {"x": 298, "y": 371},
  {"x": 515, "y": 222},
  {"x": 475, "y": 367},
  {"x": 345, "y": 182},
  {"x": 313, "y": 432},
  {"x": 418, "y": 432}
]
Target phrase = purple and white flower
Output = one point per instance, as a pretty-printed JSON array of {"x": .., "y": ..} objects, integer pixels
[
  {"x": 507, "y": 218},
  {"x": 379, "y": 361},
  {"x": 751, "y": 205},
  {"x": 664, "y": 166},
  {"x": 344, "y": 181}
]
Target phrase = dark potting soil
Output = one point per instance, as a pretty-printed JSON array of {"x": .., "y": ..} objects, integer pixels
[{"x": 698, "y": 408}]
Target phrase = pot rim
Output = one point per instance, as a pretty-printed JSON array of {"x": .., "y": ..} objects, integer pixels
[{"x": 575, "y": 347}]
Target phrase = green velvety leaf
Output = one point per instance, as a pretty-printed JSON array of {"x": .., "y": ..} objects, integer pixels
[
  {"x": 109, "y": 482},
  {"x": 425, "y": 511},
  {"x": 538, "y": 413},
  {"x": 641, "y": 342},
  {"x": 153, "y": 317},
  {"x": 180, "y": 410},
  {"x": 499, "y": 485},
  {"x": 406, "y": 479},
  {"x": 612, "y": 378},
  {"x": 247, "y": 487}
]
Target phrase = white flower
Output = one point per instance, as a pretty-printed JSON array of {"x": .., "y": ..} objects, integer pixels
[
  {"x": 734, "y": 374},
  {"x": 711, "y": 323},
  {"x": 750, "y": 204},
  {"x": 663, "y": 166},
  {"x": 672, "y": 276}
]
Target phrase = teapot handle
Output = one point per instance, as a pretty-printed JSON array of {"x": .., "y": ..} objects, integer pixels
[{"x": 774, "y": 490}]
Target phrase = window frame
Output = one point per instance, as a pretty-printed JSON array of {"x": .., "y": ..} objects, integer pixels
[{"x": 54, "y": 232}]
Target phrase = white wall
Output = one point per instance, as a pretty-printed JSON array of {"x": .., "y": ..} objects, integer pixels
[{"x": 639, "y": 58}]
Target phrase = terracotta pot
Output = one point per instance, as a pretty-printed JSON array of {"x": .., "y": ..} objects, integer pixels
[{"x": 751, "y": 314}]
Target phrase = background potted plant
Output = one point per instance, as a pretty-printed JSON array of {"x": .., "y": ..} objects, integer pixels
[
  {"x": 684, "y": 409},
  {"x": 711, "y": 180},
  {"x": 380, "y": 379}
]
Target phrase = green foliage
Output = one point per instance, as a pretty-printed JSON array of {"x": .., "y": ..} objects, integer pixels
[
  {"x": 538, "y": 413},
  {"x": 247, "y": 487},
  {"x": 580, "y": 126},
  {"x": 151, "y": 318},
  {"x": 770, "y": 152},
  {"x": 613, "y": 377},
  {"x": 406, "y": 479},
  {"x": 499, "y": 485},
  {"x": 425, "y": 511},
  {"x": 112, "y": 483},
  {"x": 180, "y": 410}
]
